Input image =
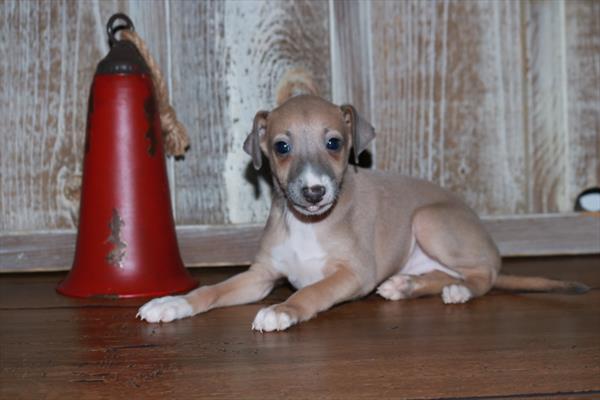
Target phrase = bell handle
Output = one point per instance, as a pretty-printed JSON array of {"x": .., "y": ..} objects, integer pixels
[{"x": 112, "y": 29}]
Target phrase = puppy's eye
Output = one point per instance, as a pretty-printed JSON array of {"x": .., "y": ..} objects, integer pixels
[
  {"x": 334, "y": 144},
  {"x": 282, "y": 147}
]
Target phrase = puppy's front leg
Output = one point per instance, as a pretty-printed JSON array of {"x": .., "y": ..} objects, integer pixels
[
  {"x": 247, "y": 287},
  {"x": 342, "y": 285}
]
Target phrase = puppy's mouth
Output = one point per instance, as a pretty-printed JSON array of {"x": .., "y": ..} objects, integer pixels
[{"x": 313, "y": 209}]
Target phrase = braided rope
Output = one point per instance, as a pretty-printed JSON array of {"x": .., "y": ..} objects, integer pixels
[{"x": 175, "y": 136}]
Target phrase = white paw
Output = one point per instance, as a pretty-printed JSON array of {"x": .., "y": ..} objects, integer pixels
[
  {"x": 456, "y": 294},
  {"x": 268, "y": 320},
  {"x": 395, "y": 288},
  {"x": 165, "y": 309}
]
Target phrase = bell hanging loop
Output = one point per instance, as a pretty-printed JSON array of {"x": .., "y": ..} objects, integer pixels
[{"x": 112, "y": 29}]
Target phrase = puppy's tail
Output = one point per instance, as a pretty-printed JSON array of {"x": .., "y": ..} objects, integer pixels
[{"x": 538, "y": 284}]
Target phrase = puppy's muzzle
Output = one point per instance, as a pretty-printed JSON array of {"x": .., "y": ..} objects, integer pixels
[
  {"x": 313, "y": 189},
  {"x": 313, "y": 194}
]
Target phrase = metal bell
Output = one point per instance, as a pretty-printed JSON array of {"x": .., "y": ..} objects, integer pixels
[{"x": 126, "y": 242}]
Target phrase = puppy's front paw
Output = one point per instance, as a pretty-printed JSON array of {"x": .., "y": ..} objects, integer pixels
[
  {"x": 165, "y": 309},
  {"x": 456, "y": 294},
  {"x": 397, "y": 287},
  {"x": 274, "y": 318}
]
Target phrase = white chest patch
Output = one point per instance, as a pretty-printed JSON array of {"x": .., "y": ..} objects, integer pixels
[{"x": 300, "y": 257}]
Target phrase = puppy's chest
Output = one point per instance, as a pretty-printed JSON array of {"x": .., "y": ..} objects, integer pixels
[{"x": 300, "y": 257}]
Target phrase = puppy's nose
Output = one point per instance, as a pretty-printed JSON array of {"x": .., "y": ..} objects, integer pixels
[{"x": 313, "y": 194}]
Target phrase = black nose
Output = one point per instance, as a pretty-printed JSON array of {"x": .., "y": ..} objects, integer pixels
[{"x": 313, "y": 194}]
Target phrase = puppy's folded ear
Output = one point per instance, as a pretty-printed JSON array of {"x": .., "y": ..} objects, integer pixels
[
  {"x": 252, "y": 142},
  {"x": 362, "y": 131}
]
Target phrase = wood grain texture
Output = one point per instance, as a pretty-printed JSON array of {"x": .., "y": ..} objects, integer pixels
[
  {"x": 448, "y": 97},
  {"x": 60, "y": 43},
  {"x": 210, "y": 245},
  {"x": 545, "y": 234},
  {"x": 200, "y": 60},
  {"x": 352, "y": 62},
  {"x": 582, "y": 45},
  {"x": 496, "y": 100},
  {"x": 351, "y": 58},
  {"x": 499, "y": 346},
  {"x": 50, "y": 51},
  {"x": 268, "y": 40},
  {"x": 547, "y": 118},
  {"x": 562, "y": 56},
  {"x": 231, "y": 59},
  {"x": 200, "y": 245},
  {"x": 41, "y": 101}
]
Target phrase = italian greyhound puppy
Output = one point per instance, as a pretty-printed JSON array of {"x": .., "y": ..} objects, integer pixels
[{"x": 337, "y": 232}]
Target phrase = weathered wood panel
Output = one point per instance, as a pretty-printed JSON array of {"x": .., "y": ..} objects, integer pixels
[
  {"x": 352, "y": 61},
  {"x": 562, "y": 65},
  {"x": 546, "y": 113},
  {"x": 545, "y": 234},
  {"x": 448, "y": 97},
  {"x": 231, "y": 57},
  {"x": 582, "y": 45},
  {"x": 351, "y": 58},
  {"x": 199, "y": 61},
  {"x": 222, "y": 60},
  {"x": 497, "y": 101},
  {"x": 50, "y": 50},
  {"x": 200, "y": 245},
  {"x": 210, "y": 245}
]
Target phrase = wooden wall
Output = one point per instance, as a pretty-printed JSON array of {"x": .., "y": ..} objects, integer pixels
[{"x": 496, "y": 100}]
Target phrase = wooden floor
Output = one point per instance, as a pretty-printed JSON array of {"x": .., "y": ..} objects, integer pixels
[{"x": 500, "y": 346}]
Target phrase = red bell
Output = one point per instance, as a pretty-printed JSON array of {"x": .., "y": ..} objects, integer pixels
[{"x": 126, "y": 242}]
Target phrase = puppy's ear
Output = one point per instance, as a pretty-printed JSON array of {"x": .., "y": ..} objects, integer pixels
[
  {"x": 362, "y": 131},
  {"x": 252, "y": 142}
]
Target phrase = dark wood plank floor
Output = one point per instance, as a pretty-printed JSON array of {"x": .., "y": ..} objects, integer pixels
[{"x": 500, "y": 346}]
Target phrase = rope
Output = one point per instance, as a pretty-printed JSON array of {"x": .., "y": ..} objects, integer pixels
[{"x": 176, "y": 139}]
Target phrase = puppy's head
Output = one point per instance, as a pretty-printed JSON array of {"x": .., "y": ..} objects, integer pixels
[{"x": 307, "y": 141}]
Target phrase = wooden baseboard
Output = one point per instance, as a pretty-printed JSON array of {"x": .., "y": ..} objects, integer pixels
[
  {"x": 545, "y": 234},
  {"x": 531, "y": 235}
]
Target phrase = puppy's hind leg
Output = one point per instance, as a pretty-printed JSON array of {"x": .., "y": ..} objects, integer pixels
[
  {"x": 453, "y": 235},
  {"x": 402, "y": 286}
]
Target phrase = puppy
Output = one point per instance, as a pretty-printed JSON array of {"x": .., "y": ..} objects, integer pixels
[{"x": 337, "y": 232}]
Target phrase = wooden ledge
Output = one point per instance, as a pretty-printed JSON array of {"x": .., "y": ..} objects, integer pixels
[{"x": 202, "y": 245}]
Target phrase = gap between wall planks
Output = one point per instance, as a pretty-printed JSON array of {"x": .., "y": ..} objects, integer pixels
[{"x": 214, "y": 246}]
